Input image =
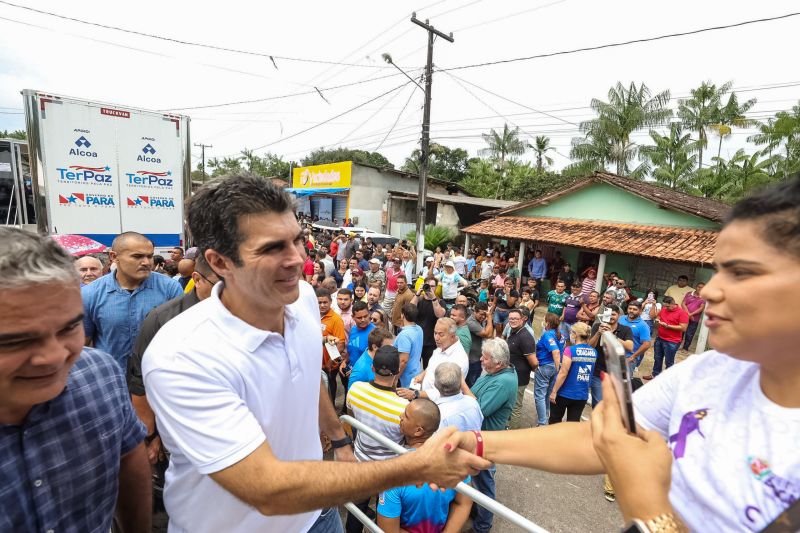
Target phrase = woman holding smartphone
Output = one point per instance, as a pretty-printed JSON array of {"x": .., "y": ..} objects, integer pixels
[{"x": 718, "y": 434}]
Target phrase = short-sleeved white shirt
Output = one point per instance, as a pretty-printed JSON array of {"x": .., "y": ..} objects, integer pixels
[
  {"x": 219, "y": 388},
  {"x": 454, "y": 354},
  {"x": 736, "y": 454}
]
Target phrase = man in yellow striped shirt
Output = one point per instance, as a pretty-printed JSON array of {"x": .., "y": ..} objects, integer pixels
[{"x": 376, "y": 404}]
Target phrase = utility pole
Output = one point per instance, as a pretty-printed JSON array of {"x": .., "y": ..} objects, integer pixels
[
  {"x": 203, "y": 157},
  {"x": 426, "y": 136}
]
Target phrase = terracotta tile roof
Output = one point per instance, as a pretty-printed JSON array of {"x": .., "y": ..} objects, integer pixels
[
  {"x": 680, "y": 201},
  {"x": 657, "y": 242}
]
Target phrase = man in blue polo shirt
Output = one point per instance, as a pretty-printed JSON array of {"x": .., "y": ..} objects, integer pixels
[
  {"x": 421, "y": 509},
  {"x": 115, "y": 306},
  {"x": 641, "y": 334}
]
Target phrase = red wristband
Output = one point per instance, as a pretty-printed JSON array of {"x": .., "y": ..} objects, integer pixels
[{"x": 479, "y": 445}]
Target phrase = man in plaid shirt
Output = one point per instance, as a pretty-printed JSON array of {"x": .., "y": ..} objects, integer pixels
[{"x": 73, "y": 450}]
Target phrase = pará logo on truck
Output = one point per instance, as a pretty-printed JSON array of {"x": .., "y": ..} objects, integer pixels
[{"x": 83, "y": 199}]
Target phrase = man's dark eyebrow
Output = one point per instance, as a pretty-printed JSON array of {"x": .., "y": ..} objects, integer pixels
[
  {"x": 24, "y": 335},
  {"x": 737, "y": 262},
  {"x": 274, "y": 243}
]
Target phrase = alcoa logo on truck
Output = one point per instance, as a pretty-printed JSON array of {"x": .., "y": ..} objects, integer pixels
[
  {"x": 81, "y": 143},
  {"x": 150, "y": 178},
  {"x": 149, "y": 151},
  {"x": 82, "y": 174}
]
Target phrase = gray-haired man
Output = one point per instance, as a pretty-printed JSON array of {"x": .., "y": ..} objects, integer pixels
[
  {"x": 496, "y": 392},
  {"x": 73, "y": 448},
  {"x": 455, "y": 408}
]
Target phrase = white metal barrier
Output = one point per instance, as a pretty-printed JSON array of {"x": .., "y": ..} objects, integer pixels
[{"x": 478, "y": 497}]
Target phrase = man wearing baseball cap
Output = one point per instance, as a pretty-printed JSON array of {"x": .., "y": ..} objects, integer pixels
[
  {"x": 376, "y": 404},
  {"x": 375, "y": 273},
  {"x": 450, "y": 280}
]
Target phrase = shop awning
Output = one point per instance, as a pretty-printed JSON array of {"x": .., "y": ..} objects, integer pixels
[
  {"x": 301, "y": 192},
  {"x": 687, "y": 245}
]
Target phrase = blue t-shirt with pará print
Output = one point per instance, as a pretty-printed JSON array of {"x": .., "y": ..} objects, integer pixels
[
  {"x": 548, "y": 342},
  {"x": 578, "y": 380}
]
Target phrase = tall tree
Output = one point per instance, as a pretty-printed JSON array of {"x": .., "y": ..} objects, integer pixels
[
  {"x": 503, "y": 144},
  {"x": 782, "y": 132},
  {"x": 701, "y": 110},
  {"x": 540, "y": 147},
  {"x": 322, "y": 156},
  {"x": 731, "y": 180},
  {"x": 449, "y": 164},
  {"x": 732, "y": 115},
  {"x": 627, "y": 110},
  {"x": 672, "y": 157}
]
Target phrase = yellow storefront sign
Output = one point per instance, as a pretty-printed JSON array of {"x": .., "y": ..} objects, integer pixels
[{"x": 329, "y": 176}]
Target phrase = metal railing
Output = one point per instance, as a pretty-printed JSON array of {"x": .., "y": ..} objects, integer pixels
[{"x": 478, "y": 497}]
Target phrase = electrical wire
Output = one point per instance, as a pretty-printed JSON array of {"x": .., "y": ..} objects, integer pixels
[
  {"x": 317, "y": 125},
  {"x": 626, "y": 43},
  {"x": 396, "y": 120},
  {"x": 187, "y": 43}
]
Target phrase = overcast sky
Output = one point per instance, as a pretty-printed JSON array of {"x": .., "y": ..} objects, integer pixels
[{"x": 43, "y": 52}]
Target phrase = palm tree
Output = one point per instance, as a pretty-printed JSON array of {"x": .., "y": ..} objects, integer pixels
[
  {"x": 540, "y": 146},
  {"x": 628, "y": 109},
  {"x": 735, "y": 177},
  {"x": 784, "y": 130},
  {"x": 701, "y": 110},
  {"x": 673, "y": 157},
  {"x": 501, "y": 145},
  {"x": 732, "y": 115}
]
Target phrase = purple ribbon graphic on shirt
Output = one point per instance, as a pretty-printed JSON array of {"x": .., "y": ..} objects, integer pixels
[{"x": 689, "y": 423}]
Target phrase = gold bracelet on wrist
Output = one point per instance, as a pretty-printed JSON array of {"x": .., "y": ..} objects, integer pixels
[{"x": 663, "y": 523}]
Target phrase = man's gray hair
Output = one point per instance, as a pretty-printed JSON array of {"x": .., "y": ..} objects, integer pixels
[
  {"x": 450, "y": 323},
  {"x": 447, "y": 379},
  {"x": 497, "y": 349},
  {"x": 32, "y": 259}
]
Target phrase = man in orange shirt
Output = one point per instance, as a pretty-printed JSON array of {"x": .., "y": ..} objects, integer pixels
[{"x": 332, "y": 334}]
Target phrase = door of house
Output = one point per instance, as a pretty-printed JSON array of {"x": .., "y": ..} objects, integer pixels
[{"x": 585, "y": 260}]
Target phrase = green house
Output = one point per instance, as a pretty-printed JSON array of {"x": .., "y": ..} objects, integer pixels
[{"x": 646, "y": 233}]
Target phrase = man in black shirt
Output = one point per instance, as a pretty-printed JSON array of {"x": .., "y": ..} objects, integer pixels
[
  {"x": 204, "y": 281},
  {"x": 430, "y": 309},
  {"x": 623, "y": 333},
  {"x": 567, "y": 276},
  {"x": 522, "y": 347}
]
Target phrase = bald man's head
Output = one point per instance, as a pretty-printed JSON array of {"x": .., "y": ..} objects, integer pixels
[
  {"x": 127, "y": 239},
  {"x": 420, "y": 420},
  {"x": 89, "y": 268}
]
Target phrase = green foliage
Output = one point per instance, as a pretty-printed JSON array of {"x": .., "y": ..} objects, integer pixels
[
  {"x": 15, "y": 134},
  {"x": 434, "y": 236},
  {"x": 322, "y": 156},
  {"x": 502, "y": 145},
  {"x": 268, "y": 166},
  {"x": 449, "y": 164},
  {"x": 540, "y": 146},
  {"x": 519, "y": 181},
  {"x": 731, "y": 180},
  {"x": 608, "y": 137},
  {"x": 671, "y": 158},
  {"x": 701, "y": 110},
  {"x": 781, "y": 135}
]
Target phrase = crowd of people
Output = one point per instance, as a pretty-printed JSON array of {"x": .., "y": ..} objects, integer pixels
[{"x": 227, "y": 363}]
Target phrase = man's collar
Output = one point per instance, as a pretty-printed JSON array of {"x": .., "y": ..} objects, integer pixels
[
  {"x": 453, "y": 398},
  {"x": 382, "y": 387},
  {"x": 115, "y": 285}
]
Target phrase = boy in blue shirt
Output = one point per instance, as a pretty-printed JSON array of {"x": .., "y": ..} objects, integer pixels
[{"x": 421, "y": 509}]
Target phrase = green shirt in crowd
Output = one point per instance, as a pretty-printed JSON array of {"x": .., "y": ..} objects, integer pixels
[{"x": 496, "y": 395}]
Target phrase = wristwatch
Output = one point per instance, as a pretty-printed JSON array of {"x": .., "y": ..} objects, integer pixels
[
  {"x": 663, "y": 523},
  {"x": 341, "y": 443}
]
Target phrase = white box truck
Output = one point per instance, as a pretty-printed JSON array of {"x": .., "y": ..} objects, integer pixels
[{"x": 102, "y": 169}]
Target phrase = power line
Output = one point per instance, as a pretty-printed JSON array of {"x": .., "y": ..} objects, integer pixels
[
  {"x": 187, "y": 43},
  {"x": 317, "y": 125},
  {"x": 280, "y": 97},
  {"x": 410, "y": 96},
  {"x": 626, "y": 43}
]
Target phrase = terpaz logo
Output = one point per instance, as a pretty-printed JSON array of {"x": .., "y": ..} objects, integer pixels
[
  {"x": 82, "y": 174},
  {"x": 84, "y": 199},
  {"x": 147, "y": 178},
  {"x": 81, "y": 143},
  {"x": 150, "y": 201}
]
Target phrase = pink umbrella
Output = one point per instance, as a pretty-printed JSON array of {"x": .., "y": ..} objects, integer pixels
[{"x": 79, "y": 245}]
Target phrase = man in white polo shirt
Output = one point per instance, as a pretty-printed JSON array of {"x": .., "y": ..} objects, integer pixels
[
  {"x": 448, "y": 349},
  {"x": 235, "y": 384}
]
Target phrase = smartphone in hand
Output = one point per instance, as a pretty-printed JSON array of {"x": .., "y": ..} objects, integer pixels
[{"x": 620, "y": 376}]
